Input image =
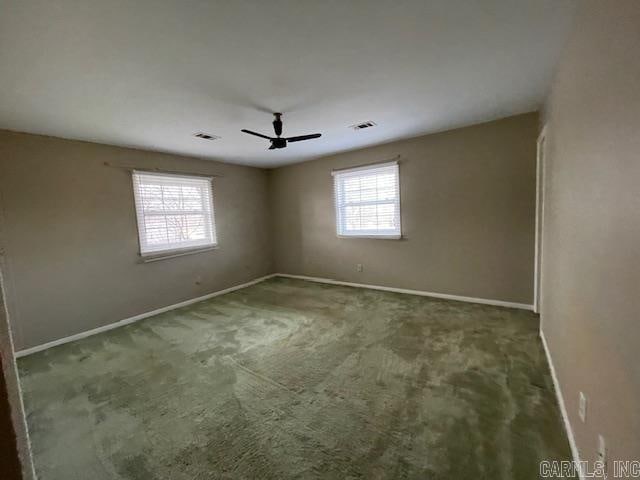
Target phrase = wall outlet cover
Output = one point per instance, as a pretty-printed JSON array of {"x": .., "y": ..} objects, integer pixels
[
  {"x": 602, "y": 452},
  {"x": 582, "y": 407}
]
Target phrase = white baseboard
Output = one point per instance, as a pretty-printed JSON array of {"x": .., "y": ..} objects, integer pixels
[
  {"x": 127, "y": 321},
  {"x": 563, "y": 409},
  {"x": 445, "y": 296}
]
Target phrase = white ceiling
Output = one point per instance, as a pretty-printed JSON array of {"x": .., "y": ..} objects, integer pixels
[{"x": 150, "y": 73}]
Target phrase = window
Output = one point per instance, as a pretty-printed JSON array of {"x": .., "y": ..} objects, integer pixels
[
  {"x": 175, "y": 212},
  {"x": 368, "y": 201}
]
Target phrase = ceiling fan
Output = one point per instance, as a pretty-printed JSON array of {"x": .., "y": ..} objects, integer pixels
[{"x": 278, "y": 141}]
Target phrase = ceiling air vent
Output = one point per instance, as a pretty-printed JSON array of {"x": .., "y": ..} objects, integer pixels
[
  {"x": 206, "y": 136},
  {"x": 360, "y": 126}
]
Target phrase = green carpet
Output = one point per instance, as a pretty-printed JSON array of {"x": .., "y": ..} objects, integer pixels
[{"x": 292, "y": 379}]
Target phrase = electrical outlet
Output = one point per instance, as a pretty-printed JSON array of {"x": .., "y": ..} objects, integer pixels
[
  {"x": 359, "y": 267},
  {"x": 582, "y": 407},
  {"x": 602, "y": 452}
]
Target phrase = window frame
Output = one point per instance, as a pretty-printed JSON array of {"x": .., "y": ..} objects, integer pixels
[
  {"x": 193, "y": 247},
  {"x": 357, "y": 171}
]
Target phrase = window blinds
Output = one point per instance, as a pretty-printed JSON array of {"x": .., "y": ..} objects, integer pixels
[
  {"x": 367, "y": 201},
  {"x": 174, "y": 212}
]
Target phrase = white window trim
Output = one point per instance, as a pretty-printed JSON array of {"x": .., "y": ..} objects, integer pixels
[
  {"x": 371, "y": 234},
  {"x": 189, "y": 247},
  {"x": 180, "y": 252}
]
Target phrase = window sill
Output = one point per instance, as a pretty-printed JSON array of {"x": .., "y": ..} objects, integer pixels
[
  {"x": 377, "y": 237},
  {"x": 175, "y": 253}
]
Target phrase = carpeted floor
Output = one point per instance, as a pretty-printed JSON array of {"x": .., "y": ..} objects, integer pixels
[{"x": 291, "y": 379}]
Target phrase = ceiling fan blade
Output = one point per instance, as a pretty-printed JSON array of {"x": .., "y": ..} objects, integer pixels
[
  {"x": 272, "y": 147},
  {"x": 304, "y": 137},
  {"x": 255, "y": 133}
]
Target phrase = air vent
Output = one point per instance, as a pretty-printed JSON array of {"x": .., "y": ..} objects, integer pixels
[
  {"x": 360, "y": 126},
  {"x": 206, "y": 136}
]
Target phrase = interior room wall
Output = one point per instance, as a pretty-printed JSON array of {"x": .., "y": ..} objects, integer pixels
[
  {"x": 15, "y": 452},
  {"x": 71, "y": 240},
  {"x": 10, "y": 465},
  {"x": 467, "y": 208},
  {"x": 591, "y": 274}
]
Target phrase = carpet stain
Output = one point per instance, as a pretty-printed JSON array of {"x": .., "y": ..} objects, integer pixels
[{"x": 289, "y": 379}]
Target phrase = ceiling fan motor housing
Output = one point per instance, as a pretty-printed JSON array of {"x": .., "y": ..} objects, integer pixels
[{"x": 279, "y": 142}]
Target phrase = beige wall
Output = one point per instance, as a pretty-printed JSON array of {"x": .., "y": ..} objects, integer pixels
[
  {"x": 15, "y": 439},
  {"x": 467, "y": 206},
  {"x": 15, "y": 454},
  {"x": 71, "y": 240},
  {"x": 591, "y": 271}
]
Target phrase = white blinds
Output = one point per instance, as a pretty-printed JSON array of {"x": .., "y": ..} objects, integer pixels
[
  {"x": 367, "y": 201},
  {"x": 174, "y": 212}
]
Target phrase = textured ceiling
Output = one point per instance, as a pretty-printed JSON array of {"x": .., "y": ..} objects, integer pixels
[{"x": 150, "y": 74}]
